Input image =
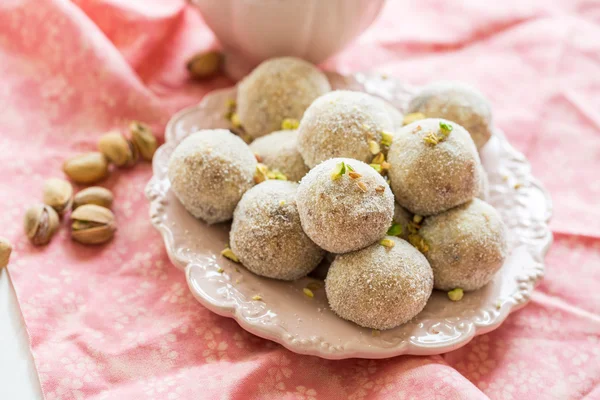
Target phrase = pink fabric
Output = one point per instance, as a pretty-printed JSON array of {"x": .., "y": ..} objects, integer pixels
[{"x": 117, "y": 321}]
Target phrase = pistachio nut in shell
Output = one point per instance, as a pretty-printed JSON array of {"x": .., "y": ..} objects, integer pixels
[
  {"x": 86, "y": 168},
  {"x": 58, "y": 194},
  {"x": 143, "y": 139},
  {"x": 93, "y": 195},
  {"x": 5, "y": 250},
  {"x": 117, "y": 149},
  {"x": 41, "y": 223},
  {"x": 205, "y": 65},
  {"x": 92, "y": 224}
]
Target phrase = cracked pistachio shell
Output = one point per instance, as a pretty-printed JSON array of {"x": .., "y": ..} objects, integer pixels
[
  {"x": 41, "y": 223},
  {"x": 58, "y": 194},
  {"x": 86, "y": 168},
  {"x": 143, "y": 139},
  {"x": 92, "y": 224},
  {"x": 93, "y": 195},
  {"x": 117, "y": 149}
]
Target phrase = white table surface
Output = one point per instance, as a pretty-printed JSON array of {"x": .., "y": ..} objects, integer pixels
[{"x": 18, "y": 376}]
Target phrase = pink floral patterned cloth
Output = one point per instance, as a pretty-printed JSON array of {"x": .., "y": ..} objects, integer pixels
[{"x": 117, "y": 321}]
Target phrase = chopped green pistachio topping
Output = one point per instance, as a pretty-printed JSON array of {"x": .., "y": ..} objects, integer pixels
[
  {"x": 338, "y": 171},
  {"x": 257, "y": 297},
  {"x": 354, "y": 175},
  {"x": 518, "y": 185},
  {"x": 260, "y": 175},
  {"x": 387, "y": 138},
  {"x": 412, "y": 117},
  {"x": 418, "y": 242},
  {"x": 228, "y": 253},
  {"x": 362, "y": 186},
  {"x": 417, "y": 219},
  {"x": 230, "y": 103},
  {"x": 446, "y": 128},
  {"x": 282, "y": 202},
  {"x": 431, "y": 139},
  {"x": 378, "y": 159},
  {"x": 349, "y": 167},
  {"x": 220, "y": 270},
  {"x": 376, "y": 167},
  {"x": 374, "y": 147},
  {"x": 276, "y": 174},
  {"x": 456, "y": 294},
  {"x": 290, "y": 124},
  {"x": 389, "y": 243},
  {"x": 385, "y": 165},
  {"x": 308, "y": 292},
  {"x": 395, "y": 230}
]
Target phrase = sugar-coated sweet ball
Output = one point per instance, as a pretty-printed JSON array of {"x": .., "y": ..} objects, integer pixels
[
  {"x": 458, "y": 102},
  {"x": 379, "y": 287},
  {"x": 209, "y": 171},
  {"x": 484, "y": 185},
  {"x": 434, "y": 166},
  {"x": 467, "y": 245},
  {"x": 403, "y": 218},
  {"x": 266, "y": 235},
  {"x": 343, "y": 123},
  {"x": 279, "y": 151},
  {"x": 278, "y": 89},
  {"x": 344, "y": 205}
]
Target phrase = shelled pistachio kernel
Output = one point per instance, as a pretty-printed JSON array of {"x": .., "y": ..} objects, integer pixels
[
  {"x": 417, "y": 219},
  {"x": 92, "y": 224},
  {"x": 260, "y": 174},
  {"x": 389, "y": 243},
  {"x": 378, "y": 159},
  {"x": 204, "y": 65},
  {"x": 58, "y": 194},
  {"x": 143, "y": 139},
  {"x": 5, "y": 250},
  {"x": 374, "y": 147},
  {"x": 228, "y": 253},
  {"x": 235, "y": 120},
  {"x": 117, "y": 149},
  {"x": 93, "y": 195},
  {"x": 387, "y": 138},
  {"x": 308, "y": 292},
  {"x": 41, "y": 223},
  {"x": 376, "y": 167},
  {"x": 418, "y": 242},
  {"x": 412, "y": 117},
  {"x": 86, "y": 168},
  {"x": 395, "y": 230},
  {"x": 289, "y": 124},
  {"x": 338, "y": 171},
  {"x": 445, "y": 128},
  {"x": 456, "y": 294},
  {"x": 354, "y": 175},
  {"x": 276, "y": 174},
  {"x": 257, "y": 297}
]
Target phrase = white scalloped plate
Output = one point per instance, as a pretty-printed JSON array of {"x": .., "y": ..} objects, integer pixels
[{"x": 307, "y": 325}]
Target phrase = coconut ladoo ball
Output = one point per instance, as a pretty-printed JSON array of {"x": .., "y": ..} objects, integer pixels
[
  {"x": 434, "y": 166},
  {"x": 344, "y": 205},
  {"x": 279, "y": 151},
  {"x": 484, "y": 185},
  {"x": 209, "y": 171},
  {"x": 379, "y": 287},
  {"x": 343, "y": 123},
  {"x": 456, "y": 102},
  {"x": 467, "y": 245},
  {"x": 278, "y": 89},
  {"x": 266, "y": 235}
]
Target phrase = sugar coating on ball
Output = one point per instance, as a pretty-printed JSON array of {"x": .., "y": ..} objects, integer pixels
[
  {"x": 458, "y": 102},
  {"x": 403, "y": 218},
  {"x": 266, "y": 234},
  {"x": 379, "y": 287},
  {"x": 467, "y": 245},
  {"x": 342, "y": 123},
  {"x": 279, "y": 150},
  {"x": 484, "y": 185},
  {"x": 339, "y": 215},
  {"x": 277, "y": 89},
  {"x": 431, "y": 178},
  {"x": 209, "y": 171}
]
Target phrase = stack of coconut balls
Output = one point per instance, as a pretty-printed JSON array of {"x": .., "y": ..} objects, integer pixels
[{"x": 402, "y": 211}]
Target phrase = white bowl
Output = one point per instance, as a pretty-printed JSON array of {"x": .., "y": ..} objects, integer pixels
[{"x": 252, "y": 31}]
